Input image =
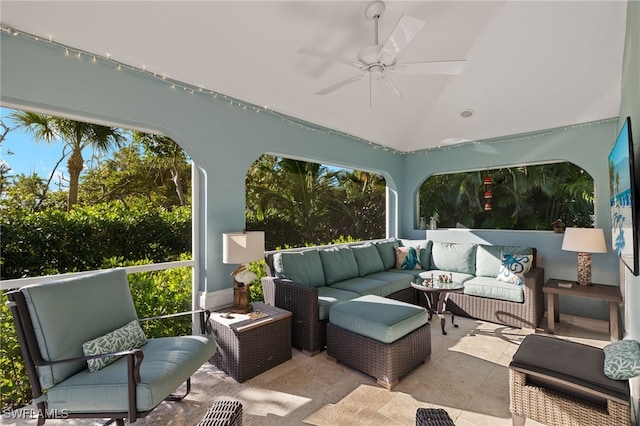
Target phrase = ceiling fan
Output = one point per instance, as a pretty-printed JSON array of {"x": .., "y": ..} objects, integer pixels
[{"x": 378, "y": 61}]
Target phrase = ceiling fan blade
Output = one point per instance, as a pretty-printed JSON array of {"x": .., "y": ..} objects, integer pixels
[
  {"x": 390, "y": 85},
  {"x": 406, "y": 29},
  {"x": 434, "y": 67},
  {"x": 324, "y": 55},
  {"x": 339, "y": 85}
]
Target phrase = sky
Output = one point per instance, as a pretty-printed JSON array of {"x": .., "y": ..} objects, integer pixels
[{"x": 24, "y": 155}]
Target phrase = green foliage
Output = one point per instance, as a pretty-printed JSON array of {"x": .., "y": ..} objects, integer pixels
[
  {"x": 54, "y": 241},
  {"x": 256, "y": 293},
  {"x": 527, "y": 197},
  {"x": 300, "y": 203},
  {"x": 160, "y": 293}
]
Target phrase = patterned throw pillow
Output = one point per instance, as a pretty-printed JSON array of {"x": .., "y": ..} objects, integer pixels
[
  {"x": 514, "y": 267},
  {"x": 622, "y": 360},
  {"x": 407, "y": 258},
  {"x": 127, "y": 337}
]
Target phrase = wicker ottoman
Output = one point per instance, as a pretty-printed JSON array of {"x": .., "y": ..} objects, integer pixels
[
  {"x": 558, "y": 382},
  {"x": 433, "y": 417},
  {"x": 223, "y": 413},
  {"x": 380, "y": 337}
]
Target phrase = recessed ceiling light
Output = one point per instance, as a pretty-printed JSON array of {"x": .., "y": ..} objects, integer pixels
[{"x": 467, "y": 113}]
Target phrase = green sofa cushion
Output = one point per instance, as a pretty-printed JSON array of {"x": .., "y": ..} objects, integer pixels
[
  {"x": 329, "y": 296},
  {"x": 494, "y": 289},
  {"x": 338, "y": 263},
  {"x": 454, "y": 257},
  {"x": 387, "y": 252},
  {"x": 489, "y": 258},
  {"x": 167, "y": 364},
  {"x": 68, "y": 313},
  {"x": 304, "y": 267},
  {"x": 364, "y": 286},
  {"x": 368, "y": 259},
  {"x": 384, "y": 320},
  {"x": 399, "y": 279}
]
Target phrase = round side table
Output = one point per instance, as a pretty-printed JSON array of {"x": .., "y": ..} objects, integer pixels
[{"x": 437, "y": 294}]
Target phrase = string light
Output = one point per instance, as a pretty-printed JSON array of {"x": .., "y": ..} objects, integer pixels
[
  {"x": 192, "y": 89},
  {"x": 173, "y": 84}
]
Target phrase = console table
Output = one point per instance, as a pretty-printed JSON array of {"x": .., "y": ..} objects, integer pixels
[{"x": 607, "y": 293}]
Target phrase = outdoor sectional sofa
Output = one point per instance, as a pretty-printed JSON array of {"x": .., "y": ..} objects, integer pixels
[{"x": 309, "y": 281}]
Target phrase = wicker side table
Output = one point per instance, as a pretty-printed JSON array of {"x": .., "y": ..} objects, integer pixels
[{"x": 250, "y": 344}]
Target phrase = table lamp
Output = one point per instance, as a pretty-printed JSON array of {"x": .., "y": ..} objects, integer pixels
[
  {"x": 585, "y": 241},
  {"x": 242, "y": 247}
]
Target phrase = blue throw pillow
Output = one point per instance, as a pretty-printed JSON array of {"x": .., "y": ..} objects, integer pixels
[
  {"x": 407, "y": 258},
  {"x": 622, "y": 360},
  {"x": 514, "y": 267}
]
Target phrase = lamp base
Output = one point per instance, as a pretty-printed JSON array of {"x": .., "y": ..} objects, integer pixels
[
  {"x": 584, "y": 268},
  {"x": 241, "y": 304}
]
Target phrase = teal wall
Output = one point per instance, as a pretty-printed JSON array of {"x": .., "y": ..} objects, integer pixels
[
  {"x": 630, "y": 107},
  {"x": 224, "y": 139}
]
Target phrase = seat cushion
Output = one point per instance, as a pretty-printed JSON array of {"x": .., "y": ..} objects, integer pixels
[
  {"x": 338, "y": 263},
  {"x": 329, "y": 296},
  {"x": 384, "y": 320},
  {"x": 304, "y": 267},
  {"x": 167, "y": 363},
  {"x": 364, "y": 286},
  {"x": 398, "y": 280},
  {"x": 568, "y": 361},
  {"x": 493, "y": 288}
]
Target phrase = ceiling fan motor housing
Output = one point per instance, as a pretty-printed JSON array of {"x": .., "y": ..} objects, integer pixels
[{"x": 372, "y": 56}]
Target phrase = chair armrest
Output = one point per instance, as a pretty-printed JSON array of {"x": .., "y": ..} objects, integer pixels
[
  {"x": 533, "y": 283},
  {"x": 302, "y": 301},
  {"x": 297, "y": 298}
]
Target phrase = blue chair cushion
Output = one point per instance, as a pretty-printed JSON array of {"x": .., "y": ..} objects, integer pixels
[{"x": 168, "y": 362}]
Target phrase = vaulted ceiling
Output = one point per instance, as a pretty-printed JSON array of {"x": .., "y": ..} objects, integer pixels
[{"x": 530, "y": 65}]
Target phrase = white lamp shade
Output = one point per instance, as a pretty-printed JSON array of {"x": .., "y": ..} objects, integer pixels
[
  {"x": 584, "y": 240},
  {"x": 242, "y": 247}
]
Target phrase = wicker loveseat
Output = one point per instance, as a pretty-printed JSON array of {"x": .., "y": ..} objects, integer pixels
[{"x": 309, "y": 281}]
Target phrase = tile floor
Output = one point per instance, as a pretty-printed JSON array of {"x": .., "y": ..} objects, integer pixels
[{"x": 467, "y": 375}]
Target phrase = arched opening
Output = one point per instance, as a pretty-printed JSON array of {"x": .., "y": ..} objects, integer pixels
[{"x": 528, "y": 197}]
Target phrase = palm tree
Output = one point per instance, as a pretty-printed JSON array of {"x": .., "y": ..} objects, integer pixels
[{"x": 76, "y": 136}]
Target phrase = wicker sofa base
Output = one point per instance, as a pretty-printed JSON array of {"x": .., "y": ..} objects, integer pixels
[
  {"x": 386, "y": 362},
  {"x": 554, "y": 408},
  {"x": 514, "y": 314}
]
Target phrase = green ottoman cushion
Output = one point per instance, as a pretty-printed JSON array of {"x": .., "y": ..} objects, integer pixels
[
  {"x": 384, "y": 320},
  {"x": 329, "y": 296}
]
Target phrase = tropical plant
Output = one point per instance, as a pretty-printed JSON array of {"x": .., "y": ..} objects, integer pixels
[
  {"x": 166, "y": 156},
  {"x": 301, "y": 203},
  {"x": 76, "y": 136},
  {"x": 527, "y": 197}
]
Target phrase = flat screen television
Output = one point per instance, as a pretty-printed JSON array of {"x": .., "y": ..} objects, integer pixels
[{"x": 625, "y": 199}]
